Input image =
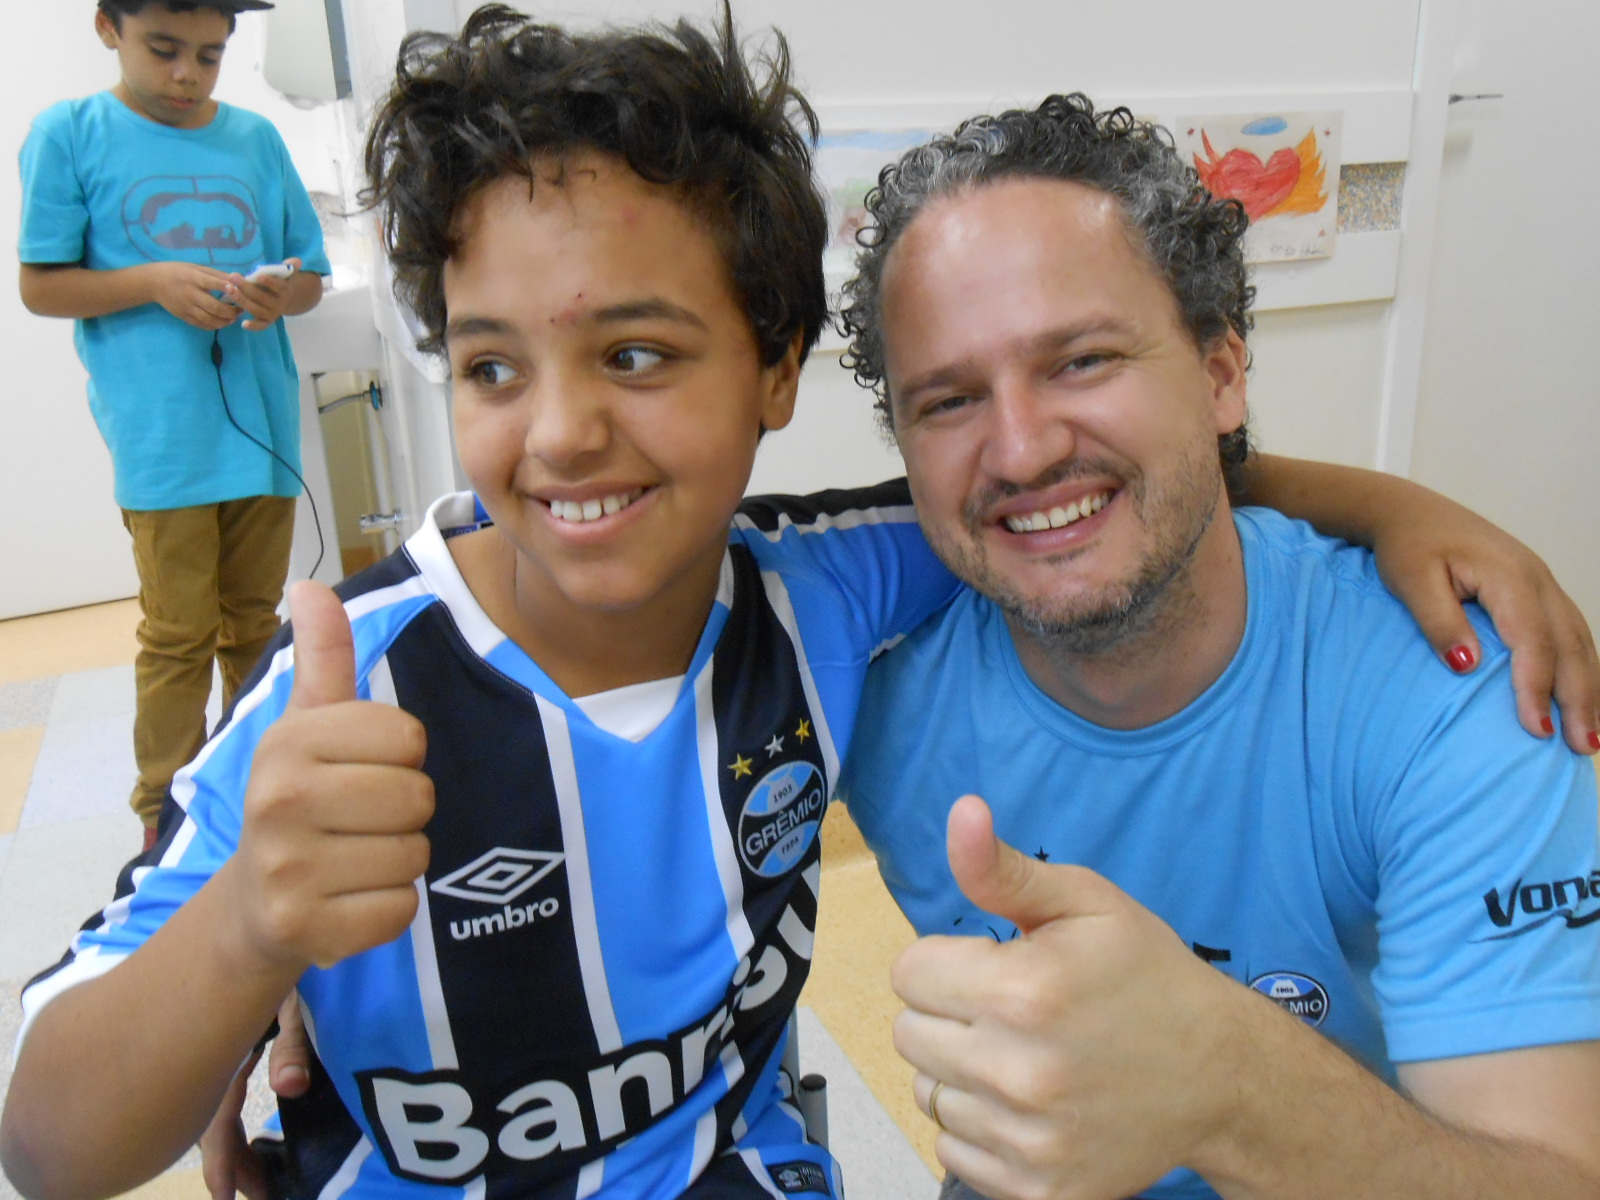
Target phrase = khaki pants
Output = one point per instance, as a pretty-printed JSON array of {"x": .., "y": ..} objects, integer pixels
[{"x": 210, "y": 579}]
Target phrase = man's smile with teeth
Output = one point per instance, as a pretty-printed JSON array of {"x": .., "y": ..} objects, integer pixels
[
  {"x": 581, "y": 511},
  {"x": 1055, "y": 518}
]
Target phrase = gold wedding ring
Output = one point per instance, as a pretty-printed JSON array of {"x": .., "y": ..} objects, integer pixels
[{"x": 933, "y": 1103}]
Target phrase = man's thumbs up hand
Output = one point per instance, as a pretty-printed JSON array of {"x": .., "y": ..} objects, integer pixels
[
  {"x": 1078, "y": 1058},
  {"x": 1026, "y": 892},
  {"x": 334, "y": 811}
]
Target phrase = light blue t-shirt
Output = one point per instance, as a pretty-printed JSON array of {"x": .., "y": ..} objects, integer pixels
[
  {"x": 106, "y": 188},
  {"x": 1338, "y": 821}
]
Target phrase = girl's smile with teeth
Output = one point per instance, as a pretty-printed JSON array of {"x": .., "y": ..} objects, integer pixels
[{"x": 1055, "y": 518}]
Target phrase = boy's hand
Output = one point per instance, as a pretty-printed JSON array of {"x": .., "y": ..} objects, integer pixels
[
  {"x": 228, "y": 1166},
  {"x": 186, "y": 291},
  {"x": 228, "y": 1163},
  {"x": 264, "y": 300},
  {"x": 334, "y": 812}
]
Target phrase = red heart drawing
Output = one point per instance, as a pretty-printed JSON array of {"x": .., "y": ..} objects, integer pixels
[{"x": 1242, "y": 176}]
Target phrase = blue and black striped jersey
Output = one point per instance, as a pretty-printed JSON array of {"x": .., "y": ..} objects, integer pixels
[{"x": 611, "y": 935}]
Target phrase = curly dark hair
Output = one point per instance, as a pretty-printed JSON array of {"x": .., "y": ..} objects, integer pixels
[
  {"x": 1192, "y": 239},
  {"x": 680, "y": 107}
]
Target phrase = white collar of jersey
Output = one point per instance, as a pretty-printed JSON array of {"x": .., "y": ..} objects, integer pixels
[
  {"x": 633, "y": 712},
  {"x": 428, "y": 550}
]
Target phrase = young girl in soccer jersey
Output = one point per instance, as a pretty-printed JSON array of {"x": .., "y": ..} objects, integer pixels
[{"x": 529, "y": 821}]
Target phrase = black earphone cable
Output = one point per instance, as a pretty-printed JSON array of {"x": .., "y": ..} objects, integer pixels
[{"x": 316, "y": 518}]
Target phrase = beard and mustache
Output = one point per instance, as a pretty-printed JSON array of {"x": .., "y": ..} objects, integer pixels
[{"x": 1080, "y": 620}]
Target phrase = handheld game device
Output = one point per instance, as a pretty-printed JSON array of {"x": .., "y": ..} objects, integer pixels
[{"x": 269, "y": 271}]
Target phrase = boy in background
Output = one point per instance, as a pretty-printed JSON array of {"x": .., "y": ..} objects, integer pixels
[{"x": 143, "y": 209}]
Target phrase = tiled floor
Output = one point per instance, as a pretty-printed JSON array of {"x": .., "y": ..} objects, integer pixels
[{"x": 66, "y": 767}]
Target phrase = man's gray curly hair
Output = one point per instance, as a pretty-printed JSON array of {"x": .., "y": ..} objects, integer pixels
[{"x": 1194, "y": 240}]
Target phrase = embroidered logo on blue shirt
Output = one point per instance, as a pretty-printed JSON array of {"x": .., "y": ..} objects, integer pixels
[{"x": 1299, "y": 994}]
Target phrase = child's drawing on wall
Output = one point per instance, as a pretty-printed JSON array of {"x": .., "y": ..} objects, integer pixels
[
  {"x": 848, "y": 164},
  {"x": 1284, "y": 169}
]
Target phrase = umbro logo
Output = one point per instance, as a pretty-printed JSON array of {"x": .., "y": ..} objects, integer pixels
[{"x": 499, "y": 876}]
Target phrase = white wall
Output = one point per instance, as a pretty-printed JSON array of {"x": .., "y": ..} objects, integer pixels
[
  {"x": 1315, "y": 381},
  {"x": 1509, "y": 416},
  {"x": 306, "y": 132},
  {"x": 61, "y": 536},
  {"x": 974, "y": 52}
]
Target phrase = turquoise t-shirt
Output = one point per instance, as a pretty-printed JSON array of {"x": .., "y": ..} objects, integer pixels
[
  {"x": 106, "y": 188},
  {"x": 1338, "y": 822}
]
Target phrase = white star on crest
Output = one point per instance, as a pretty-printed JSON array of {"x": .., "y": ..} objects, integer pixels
[{"x": 775, "y": 746}]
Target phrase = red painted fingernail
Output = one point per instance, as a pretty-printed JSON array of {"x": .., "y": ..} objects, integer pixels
[
  {"x": 1460, "y": 658},
  {"x": 1546, "y": 724},
  {"x": 1594, "y": 740}
]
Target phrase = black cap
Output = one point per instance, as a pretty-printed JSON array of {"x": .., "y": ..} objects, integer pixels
[
  {"x": 226, "y": 6},
  {"x": 233, "y": 6}
]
